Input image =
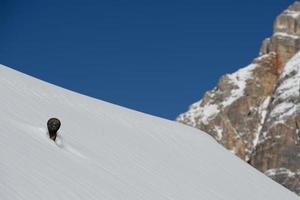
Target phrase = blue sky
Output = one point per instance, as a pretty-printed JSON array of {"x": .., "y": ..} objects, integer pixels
[{"x": 157, "y": 57}]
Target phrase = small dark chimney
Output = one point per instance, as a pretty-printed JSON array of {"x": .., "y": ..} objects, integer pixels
[{"x": 53, "y": 125}]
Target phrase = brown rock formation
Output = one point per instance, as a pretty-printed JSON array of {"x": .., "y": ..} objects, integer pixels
[
  {"x": 236, "y": 107},
  {"x": 255, "y": 112},
  {"x": 279, "y": 142}
]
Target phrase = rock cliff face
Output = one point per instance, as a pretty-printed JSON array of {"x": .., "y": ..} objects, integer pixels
[
  {"x": 279, "y": 140},
  {"x": 255, "y": 112}
]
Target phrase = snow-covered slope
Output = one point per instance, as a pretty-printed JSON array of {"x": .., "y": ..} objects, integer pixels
[{"x": 109, "y": 152}]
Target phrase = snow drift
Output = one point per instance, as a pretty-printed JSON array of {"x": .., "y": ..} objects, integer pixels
[{"x": 104, "y": 151}]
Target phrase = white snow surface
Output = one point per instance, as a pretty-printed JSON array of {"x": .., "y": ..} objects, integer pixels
[
  {"x": 239, "y": 79},
  {"x": 289, "y": 88},
  {"x": 263, "y": 112},
  {"x": 196, "y": 111},
  {"x": 108, "y": 152},
  {"x": 280, "y": 171},
  {"x": 292, "y": 13},
  {"x": 283, "y": 34}
]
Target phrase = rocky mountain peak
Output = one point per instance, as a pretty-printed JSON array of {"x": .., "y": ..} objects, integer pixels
[
  {"x": 288, "y": 21},
  {"x": 255, "y": 112},
  {"x": 295, "y": 6},
  {"x": 285, "y": 40}
]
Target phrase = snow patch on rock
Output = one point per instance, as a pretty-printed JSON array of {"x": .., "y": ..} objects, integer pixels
[
  {"x": 292, "y": 13},
  {"x": 263, "y": 110},
  {"x": 280, "y": 171},
  {"x": 287, "y": 92},
  {"x": 239, "y": 80},
  {"x": 283, "y": 34},
  {"x": 205, "y": 113}
]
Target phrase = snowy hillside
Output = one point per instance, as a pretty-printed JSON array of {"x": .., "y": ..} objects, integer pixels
[{"x": 109, "y": 152}]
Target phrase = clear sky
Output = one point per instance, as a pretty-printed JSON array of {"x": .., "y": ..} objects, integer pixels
[{"x": 154, "y": 56}]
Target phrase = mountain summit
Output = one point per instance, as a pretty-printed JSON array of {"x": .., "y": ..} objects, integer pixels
[{"x": 255, "y": 112}]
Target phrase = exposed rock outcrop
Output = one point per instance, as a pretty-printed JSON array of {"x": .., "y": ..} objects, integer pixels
[
  {"x": 285, "y": 40},
  {"x": 237, "y": 106},
  {"x": 255, "y": 112},
  {"x": 279, "y": 141}
]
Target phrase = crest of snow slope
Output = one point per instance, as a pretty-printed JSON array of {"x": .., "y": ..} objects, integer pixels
[{"x": 109, "y": 152}]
